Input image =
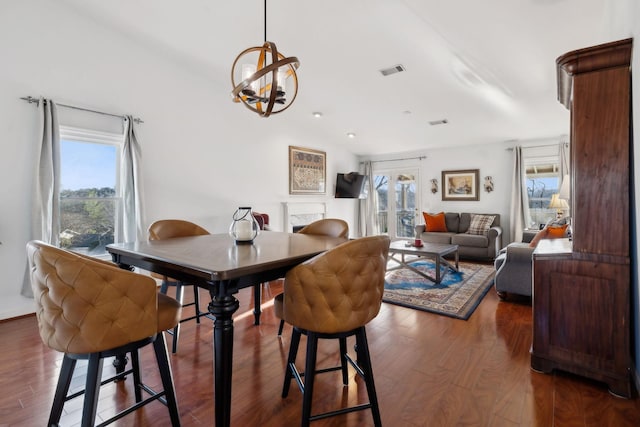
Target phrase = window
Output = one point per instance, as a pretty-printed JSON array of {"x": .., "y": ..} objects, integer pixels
[
  {"x": 90, "y": 201},
  {"x": 543, "y": 180},
  {"x": 397, "y": 192}
]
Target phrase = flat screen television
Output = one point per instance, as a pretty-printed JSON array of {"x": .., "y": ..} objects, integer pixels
[{"x": 350, "y": 186}]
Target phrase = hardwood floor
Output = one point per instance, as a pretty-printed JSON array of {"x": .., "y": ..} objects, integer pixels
[{"x": 430, "y": 370}]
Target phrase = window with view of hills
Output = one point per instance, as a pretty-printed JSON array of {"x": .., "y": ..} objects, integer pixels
[{"x": 90, "y": 202}]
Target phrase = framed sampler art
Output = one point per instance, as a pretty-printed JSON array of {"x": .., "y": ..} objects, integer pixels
[
  {"x": 307, "y": 171},
  {"x": 460, "y": 185}
]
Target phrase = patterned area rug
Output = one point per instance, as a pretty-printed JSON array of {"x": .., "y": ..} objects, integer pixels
[{"x": 457, "y": 295}]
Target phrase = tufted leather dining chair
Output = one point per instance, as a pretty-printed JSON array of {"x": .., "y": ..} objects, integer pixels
[
  {"x": 333, "y": 296},
  {"x": 91, "y": 309},
  {"x": 332, "y": 227},
  {"x": 168, "y": 229}
]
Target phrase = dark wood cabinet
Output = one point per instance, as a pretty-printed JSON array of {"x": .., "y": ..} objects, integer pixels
[{"x": 581, "y": 296}]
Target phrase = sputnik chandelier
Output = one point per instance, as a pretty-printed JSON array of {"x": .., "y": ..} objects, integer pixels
[{"x": 268, "y": 83}]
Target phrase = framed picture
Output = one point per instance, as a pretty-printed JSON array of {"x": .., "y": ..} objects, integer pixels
[
  {"x": 461, "y": 185},
  {"x": 307, "y": 171}
]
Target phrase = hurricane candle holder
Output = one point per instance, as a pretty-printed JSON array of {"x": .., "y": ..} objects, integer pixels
[{"x": 244, "y": 227}]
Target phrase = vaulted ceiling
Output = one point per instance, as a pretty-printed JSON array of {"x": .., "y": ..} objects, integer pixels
[{"x": 486, "y": 67}]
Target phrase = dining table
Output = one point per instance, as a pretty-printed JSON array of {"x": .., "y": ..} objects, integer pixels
[{"x": 217, "y": 263}]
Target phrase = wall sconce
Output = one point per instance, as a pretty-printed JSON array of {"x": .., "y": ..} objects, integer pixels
[
  {"x": 488, "y": 184},
  {"x": 434, "y": 186}
]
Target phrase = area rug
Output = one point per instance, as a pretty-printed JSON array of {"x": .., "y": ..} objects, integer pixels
[{"x": 456, "y": 296}]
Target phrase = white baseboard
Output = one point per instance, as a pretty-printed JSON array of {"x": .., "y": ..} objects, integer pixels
[{"x": 16, "y": 306}]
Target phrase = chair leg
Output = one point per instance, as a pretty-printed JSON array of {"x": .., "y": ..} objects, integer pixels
[
  {"x": 92, "y": 389},
  {"x": 257, "y": 301},
  {"x": 164, "y": 287},
  {"x": 64, "y": 381},
  {"x": 293, "y": 353},
  {"x": 137, "y": 380},
  {"x": 196, "y": 301},
  {"x": 343, "y": 361},
  {"x": 281, "y": 327},
  {"x": 309, "y": 377},
  {"x": 365, "y": 357},
  {"x": 176, "y": 330},
  {"x": 160, "y": 348},
  {"x": 180, "y": 292}
]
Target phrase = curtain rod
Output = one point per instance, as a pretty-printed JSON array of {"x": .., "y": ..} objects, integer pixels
[
  {"x": 566, "y": 144},
  {"x": 32, "y": 100},
  {"x": 395, "y": 160}
]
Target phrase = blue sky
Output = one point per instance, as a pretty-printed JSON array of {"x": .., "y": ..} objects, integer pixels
[
  {"x": 550, "y": 185},
  {"x": 87, "y": 165}
]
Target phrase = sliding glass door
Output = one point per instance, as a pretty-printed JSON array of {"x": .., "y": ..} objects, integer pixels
[{"x": 398, "y": 194}]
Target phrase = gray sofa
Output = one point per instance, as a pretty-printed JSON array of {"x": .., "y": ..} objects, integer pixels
[{"x": 470, "y": 246}]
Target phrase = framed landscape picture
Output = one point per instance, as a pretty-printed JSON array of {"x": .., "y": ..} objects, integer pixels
[
  {"x": 307, "y": 171},
  {"x": 460, "y": 185}
]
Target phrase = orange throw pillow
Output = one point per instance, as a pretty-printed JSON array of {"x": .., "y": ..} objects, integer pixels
[
  {"x": 549, "y": 232},
  {"x": 557, "y": 232},
  {"x": 434, "y": 222}
]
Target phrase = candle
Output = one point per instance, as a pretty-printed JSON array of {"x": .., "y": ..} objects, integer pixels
[{"x": 243, "y": 230}]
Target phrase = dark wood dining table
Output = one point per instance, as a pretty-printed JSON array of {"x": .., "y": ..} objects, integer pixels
[{"x": 215, "y": 262}]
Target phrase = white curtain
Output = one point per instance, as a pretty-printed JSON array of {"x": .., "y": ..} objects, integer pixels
[
  {"x": 565, "y": 171},
  {"x": 564, "y": 159},
  {"x": 131, "y": 179},
  {"x": 45, "y": 219},
  {"x": 519, "y": 199},
  {"x": 368, "y": 215}
]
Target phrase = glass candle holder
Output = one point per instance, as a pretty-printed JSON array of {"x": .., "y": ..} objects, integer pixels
[{"x": 244, "y": 227}]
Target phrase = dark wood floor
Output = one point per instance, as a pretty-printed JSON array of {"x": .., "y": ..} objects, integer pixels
[{"x": 430, "y": 370}]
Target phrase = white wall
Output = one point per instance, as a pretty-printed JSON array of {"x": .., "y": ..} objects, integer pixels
[
  {"x": 493, "y": 160},
  {"x": 203, "y": 156}
]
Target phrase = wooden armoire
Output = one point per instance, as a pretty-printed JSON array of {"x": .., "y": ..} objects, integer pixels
[{"x": 582, "y": 294}]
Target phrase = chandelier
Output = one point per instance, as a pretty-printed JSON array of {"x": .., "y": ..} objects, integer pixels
[{"x": 263, "y": 79}]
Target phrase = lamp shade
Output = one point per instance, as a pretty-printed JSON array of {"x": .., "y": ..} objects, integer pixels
[{"x": 558, "y": 203}]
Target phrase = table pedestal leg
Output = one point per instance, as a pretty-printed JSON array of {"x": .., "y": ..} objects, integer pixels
[{"x": 223, "y": 307}]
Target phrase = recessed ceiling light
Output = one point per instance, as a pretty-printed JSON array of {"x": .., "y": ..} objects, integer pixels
[
  {"x": 351, "y": 135},
  {"x": 317, "y": 114}
]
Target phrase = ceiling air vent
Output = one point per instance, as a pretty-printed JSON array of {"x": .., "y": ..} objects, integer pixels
[
  {"x": 438, "y": 122},
  {"x": 392, "y": 70}
]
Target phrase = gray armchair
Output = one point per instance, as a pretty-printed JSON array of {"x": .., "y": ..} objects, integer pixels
[{"x": 514, "y": 270}]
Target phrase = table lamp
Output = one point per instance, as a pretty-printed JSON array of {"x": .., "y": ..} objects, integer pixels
[{"x": 559, "y": 204}]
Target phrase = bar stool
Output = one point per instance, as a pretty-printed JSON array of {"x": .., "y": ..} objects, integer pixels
[
  {"x": 332, "y": 227},
  {"x": 333, "y": 296},
  {"x": 91, "y": 309},
  {"x": 168, "y": 229}
]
